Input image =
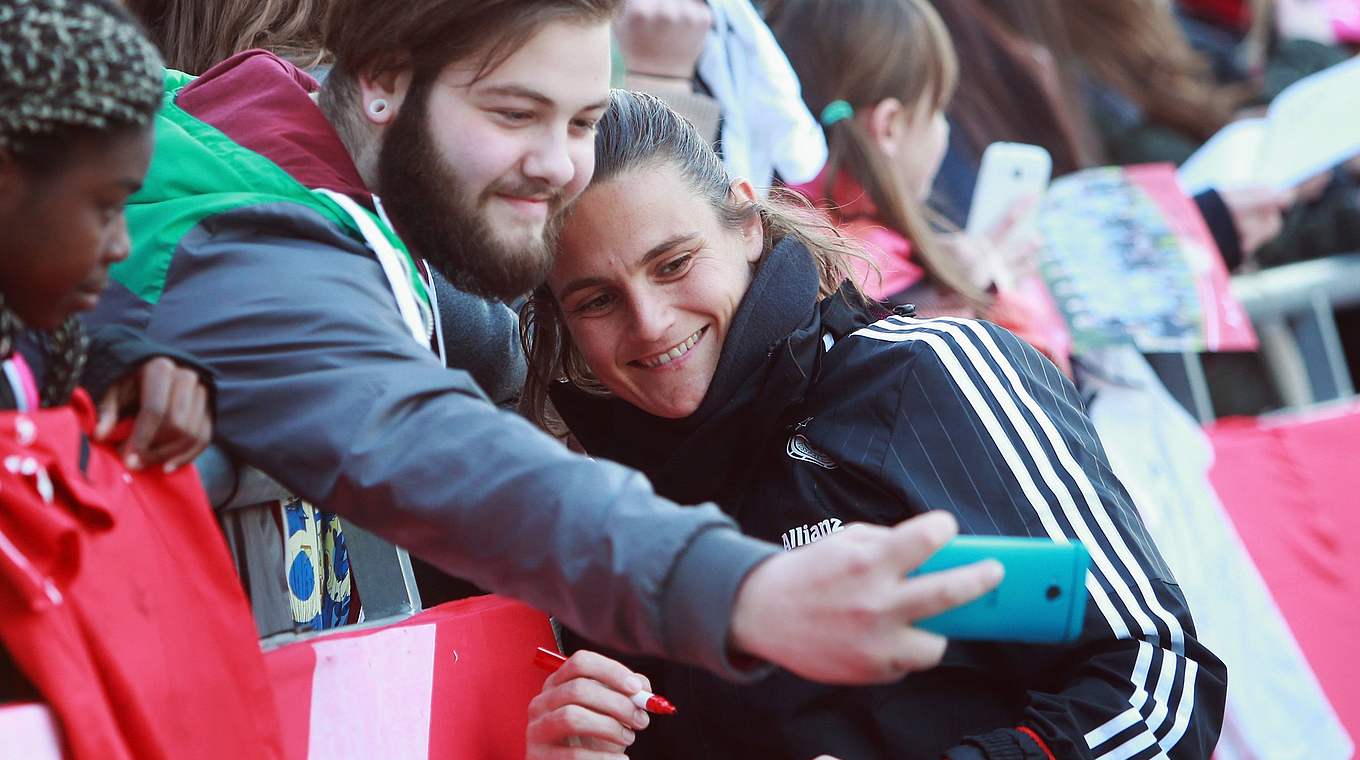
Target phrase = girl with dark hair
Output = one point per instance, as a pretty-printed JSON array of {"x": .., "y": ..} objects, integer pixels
[
  {"x": 118, "y": 606},
  {"x": 74, "y": 144},
  {"x": 713, "y": 341}
]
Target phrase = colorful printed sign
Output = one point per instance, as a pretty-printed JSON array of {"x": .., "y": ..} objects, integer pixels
[{"x": 1129, "y": 259}]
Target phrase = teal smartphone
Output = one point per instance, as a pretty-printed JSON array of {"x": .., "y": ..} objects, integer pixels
[{"x": 1042, "y": 599}]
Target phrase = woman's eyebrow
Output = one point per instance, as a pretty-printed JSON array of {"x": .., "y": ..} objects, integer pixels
[
  {"x": 665, "y": 246},
  {"x": 657, "y": 250}
]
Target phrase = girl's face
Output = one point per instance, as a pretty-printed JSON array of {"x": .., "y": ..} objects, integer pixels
[
  {"x": 921, "y": 140},
  {"x": 648, "y": 281},
  {"x": 63, "y": 229}
]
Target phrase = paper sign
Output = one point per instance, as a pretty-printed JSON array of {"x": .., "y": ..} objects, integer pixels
[
  {"x": 1129, "y": 259},
  {"x": 1310, "y": 127}
]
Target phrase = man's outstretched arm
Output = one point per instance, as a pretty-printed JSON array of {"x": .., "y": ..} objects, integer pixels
[{"x": 321, "y": 386}]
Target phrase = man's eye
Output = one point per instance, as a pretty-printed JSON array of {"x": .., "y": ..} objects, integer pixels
[
  {"x": 515, "y": 116},
  {"x": 585, "y": 125}
]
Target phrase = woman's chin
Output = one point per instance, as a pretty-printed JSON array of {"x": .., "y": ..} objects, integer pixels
[{"x": 669, "y": 408}]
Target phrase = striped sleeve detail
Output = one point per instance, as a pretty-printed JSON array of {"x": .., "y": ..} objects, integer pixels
[{"x": 1069, "y": 507}]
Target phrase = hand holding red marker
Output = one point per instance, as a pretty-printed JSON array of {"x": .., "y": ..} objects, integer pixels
[{"x": 645, "y": 700}]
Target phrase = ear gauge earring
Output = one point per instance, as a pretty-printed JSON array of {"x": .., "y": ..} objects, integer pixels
[{"x": 377, "y": 107}]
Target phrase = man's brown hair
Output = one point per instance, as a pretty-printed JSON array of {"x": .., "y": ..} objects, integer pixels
[{"x": 425, "y": 36}]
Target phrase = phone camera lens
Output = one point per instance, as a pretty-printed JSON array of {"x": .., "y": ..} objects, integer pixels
[{"x": 1053, "y": 592}]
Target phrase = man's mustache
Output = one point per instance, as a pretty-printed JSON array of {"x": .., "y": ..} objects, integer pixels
[{"x": 539, "y": 191}]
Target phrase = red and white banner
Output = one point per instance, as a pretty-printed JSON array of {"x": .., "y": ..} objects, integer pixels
[{"x": 451, "y": 682}]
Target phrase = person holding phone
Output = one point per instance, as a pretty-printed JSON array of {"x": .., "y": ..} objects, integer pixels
[
  {"x": 717, "y": 342},
  {"x": 884, "y": 118}
]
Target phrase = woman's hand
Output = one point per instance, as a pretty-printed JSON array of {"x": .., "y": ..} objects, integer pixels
[
  {"x": 173, "y": 421},
  {"x": 1257, "y": 214},
  {"x": 1005, "y": 254},
  {"x": 585, "y": 711}
]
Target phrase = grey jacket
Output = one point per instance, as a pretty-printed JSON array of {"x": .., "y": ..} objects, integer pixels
[{"x": 320, "y": 385}]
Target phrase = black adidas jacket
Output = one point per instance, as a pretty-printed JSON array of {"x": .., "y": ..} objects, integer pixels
[{"x": 821, "y": 415}]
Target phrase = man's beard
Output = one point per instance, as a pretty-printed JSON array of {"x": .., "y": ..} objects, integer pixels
[{"x": 440, "y": 221}]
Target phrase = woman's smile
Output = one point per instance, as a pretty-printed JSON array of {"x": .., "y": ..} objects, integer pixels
[{"x": 673, "y": 357}]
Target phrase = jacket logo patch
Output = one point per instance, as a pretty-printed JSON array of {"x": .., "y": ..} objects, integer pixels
[
  {"x": 800, "y": 449},
  {"x": 811, "y": 533}
]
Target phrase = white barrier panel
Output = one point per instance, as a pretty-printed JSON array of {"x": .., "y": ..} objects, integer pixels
[{"x": 30, "y": 732}]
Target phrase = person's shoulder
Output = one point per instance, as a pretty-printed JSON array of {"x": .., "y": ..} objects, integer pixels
[
  {"x": 942, "y": 349},
  {"x": 252, "y": 252}
]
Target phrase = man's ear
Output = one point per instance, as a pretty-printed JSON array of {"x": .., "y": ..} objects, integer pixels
[
  {"x": 381, "y": 96},
  {"x": 885, "y": 122},
  {"x": 753, "y": 230}
]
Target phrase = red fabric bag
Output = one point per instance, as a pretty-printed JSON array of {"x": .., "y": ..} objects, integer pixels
[{"x": 118, "y": 600}]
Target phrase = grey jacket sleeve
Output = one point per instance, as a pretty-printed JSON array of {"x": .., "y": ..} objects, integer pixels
[{"x": 321, "y": 386}]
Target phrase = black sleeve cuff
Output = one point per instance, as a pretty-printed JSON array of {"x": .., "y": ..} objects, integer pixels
[
  {"x": 1002, "y": 744},
  {"x": 117, "y": 351},
  {"x": 1220, "y": 221}
]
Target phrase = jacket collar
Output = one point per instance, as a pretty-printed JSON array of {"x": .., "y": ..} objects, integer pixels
[{"x": 264, "y": 104}]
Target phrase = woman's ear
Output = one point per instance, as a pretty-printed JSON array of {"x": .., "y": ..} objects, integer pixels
[
  {"x": 380, "y": 97},
  {"x": 753, "y": 229},
  {"x": 885, "y": 122}
]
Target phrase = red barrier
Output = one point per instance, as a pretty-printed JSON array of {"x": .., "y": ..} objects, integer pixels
[
  {"x": 1292, "y": 487},
  {"x": 454, "y": 681}
]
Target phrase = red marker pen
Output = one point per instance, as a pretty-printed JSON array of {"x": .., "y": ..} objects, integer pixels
[{"x": 645, "y": 700}]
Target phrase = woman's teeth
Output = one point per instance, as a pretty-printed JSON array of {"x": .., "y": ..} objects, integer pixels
[{"x": 682, "y": 348}]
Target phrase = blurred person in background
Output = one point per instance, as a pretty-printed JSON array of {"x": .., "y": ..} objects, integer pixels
[
  {"x": 195, "y": 35},
  {"x": 1128, "y": 68},
  {"x": 887, "y": 134}
]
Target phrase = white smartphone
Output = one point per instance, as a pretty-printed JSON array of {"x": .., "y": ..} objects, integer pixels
[{"x": 1009, "y": 172}]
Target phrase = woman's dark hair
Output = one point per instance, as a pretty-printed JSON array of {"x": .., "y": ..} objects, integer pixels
[
  {"x": 639, "y": 131},
  {"x": 1135, "y": 47},
  {"x": 195, "y": 35},
  {"x": 1009, "y": 88}
]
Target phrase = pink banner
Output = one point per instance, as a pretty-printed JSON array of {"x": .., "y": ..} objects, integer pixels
[{"x": 1290, "y": 487}]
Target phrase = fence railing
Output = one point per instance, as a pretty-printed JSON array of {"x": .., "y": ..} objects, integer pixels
[{"x": 1293, "y": 309}]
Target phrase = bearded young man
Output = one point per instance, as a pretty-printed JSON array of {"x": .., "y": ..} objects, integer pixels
[{"x": 260, "y": 247}]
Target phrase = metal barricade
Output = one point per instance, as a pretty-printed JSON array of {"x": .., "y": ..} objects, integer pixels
[{"x": 1293, "y": 309}]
